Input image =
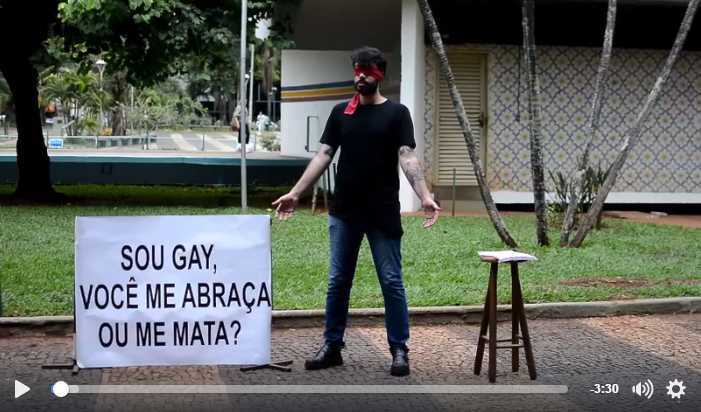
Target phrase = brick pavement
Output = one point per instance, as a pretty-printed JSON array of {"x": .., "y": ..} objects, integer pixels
[{"x": 573, "y": 352}]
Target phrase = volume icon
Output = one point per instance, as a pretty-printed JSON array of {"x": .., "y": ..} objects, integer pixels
[{"x": 645, "y": 389}]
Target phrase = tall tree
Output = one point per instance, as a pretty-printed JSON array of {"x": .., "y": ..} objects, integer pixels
[
  {"x": 577, "y": 186},
  {"x": 437, "y": 43},
  {"x": 160, "y": 38},
  {"x": 148, "y": 39},
  {"x": 633, "y": 133},
  {"x": 534, "y": 122},
  {"x": 157, "y": 39},
  {"x": 27, "y": 25}
]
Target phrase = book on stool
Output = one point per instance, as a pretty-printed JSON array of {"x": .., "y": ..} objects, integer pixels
[{"x": 502, "y": 256}]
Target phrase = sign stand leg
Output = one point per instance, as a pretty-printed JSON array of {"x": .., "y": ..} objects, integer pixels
[
  {"x": 279, "y": 366},
  {"x": 72, "y": 364}
]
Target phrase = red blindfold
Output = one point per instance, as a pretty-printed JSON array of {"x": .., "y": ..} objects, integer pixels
[{"x": 368, "y": 71}]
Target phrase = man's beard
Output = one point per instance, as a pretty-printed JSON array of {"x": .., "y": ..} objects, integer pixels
[{"x": 366, "y": 88}]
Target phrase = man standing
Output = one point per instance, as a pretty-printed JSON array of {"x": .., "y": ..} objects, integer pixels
[{"x": 374, "y": 134}]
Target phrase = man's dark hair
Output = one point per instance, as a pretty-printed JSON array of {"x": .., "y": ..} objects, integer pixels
[{"x": 367, "y": 56}]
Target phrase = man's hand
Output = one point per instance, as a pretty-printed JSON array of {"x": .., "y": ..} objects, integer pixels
[
  {"x": 286, "y": 206},
  {"x": 414, "y": 174},
  {"x": 431, "y": 211}
]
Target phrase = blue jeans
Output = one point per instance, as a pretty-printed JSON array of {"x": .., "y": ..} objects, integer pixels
[{"x": 345, "y": 238}]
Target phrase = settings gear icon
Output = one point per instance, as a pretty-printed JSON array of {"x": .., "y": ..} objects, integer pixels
[{"x": 675, "y": 389}]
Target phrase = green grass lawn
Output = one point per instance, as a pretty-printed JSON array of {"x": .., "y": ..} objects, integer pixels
[{"x": 441, "y": 267}]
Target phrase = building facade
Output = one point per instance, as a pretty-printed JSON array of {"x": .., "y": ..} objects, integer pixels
[{"x": 484, "y": 52}]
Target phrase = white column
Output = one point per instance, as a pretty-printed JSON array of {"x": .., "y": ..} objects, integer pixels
[{"x": 412, "y": 89}]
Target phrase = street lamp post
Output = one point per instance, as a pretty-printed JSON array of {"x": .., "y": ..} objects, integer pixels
[
  {"x": 250, "y": 84},
  {"x": 100, "y": 64},
  {"x": 131, "y": 112},
  {"x": 242, "y": 101}
]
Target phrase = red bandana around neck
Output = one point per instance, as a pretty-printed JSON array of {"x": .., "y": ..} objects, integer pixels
[{"x": 368, "y": 71}]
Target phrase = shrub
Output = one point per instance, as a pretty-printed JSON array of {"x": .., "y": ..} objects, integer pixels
[
  {"x": 269, "y": 141},
  {"x": 593, "y": 180}
]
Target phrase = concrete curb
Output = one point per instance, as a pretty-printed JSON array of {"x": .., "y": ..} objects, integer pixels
[{"x": 63, "y": 325}]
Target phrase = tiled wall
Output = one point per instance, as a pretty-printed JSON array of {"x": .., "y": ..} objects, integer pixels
[{"x": 668, "y": 155}]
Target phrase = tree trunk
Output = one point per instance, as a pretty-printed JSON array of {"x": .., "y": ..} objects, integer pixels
[
  {"x": 534, "y": 122},
  {"x": 437, "y": 43},
  {"x": 633, "y": 133},
  {"x": 33, "y": 177},
  {"x": 268, "y": 77},
  {"x": 578, "y": 181},
  {"x": 273, "y": 68},
  {"x": 219, "y": 110},
  {"x": 267, "y": 70},
  {"x": 74, "y": 118},
  {"x": 120, "y": 95},
  {"x": 119, "y": 120}
]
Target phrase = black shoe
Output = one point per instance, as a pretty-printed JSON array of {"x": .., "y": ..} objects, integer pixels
[
  {"x": 400, "y": 362},
  {"x": 326, "y": 357}
]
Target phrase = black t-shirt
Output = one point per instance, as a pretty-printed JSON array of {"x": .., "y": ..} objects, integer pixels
[{"x": 367, "y": 176}]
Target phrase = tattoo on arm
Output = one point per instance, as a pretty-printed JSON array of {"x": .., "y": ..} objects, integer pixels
[
  {"x": 328, "y": 150},
  {"x": 411, "y": 166},
  {"x": 414, "y": 174},
  {"x": 405, "y": 150},
  {"x": 315, "y": 168}
]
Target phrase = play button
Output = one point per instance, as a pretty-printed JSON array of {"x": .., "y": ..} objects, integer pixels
[{"x": 20, "y": 389}]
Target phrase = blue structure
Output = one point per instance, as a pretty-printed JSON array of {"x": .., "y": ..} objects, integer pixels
[{"x": 162, "y": 170}]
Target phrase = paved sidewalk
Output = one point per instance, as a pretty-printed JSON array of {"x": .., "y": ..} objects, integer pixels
[
  {"x": 578, "y": 353},
  {"x": 688, "y": 221}
]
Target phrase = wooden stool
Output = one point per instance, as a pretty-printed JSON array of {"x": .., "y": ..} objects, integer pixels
[{"x": 489, "y": 318}]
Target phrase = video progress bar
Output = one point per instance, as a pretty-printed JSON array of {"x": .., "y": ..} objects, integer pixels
[{"x": 317, "y": 389}]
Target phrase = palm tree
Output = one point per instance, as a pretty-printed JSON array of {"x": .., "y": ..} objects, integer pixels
[
  {"x": 437, "y": 43},
  {"x": 633, "y": 133},
  {"x": 578, "y": 182},
  {"x": 77, "y": 93},
  {"x": 527, "y": 16}
]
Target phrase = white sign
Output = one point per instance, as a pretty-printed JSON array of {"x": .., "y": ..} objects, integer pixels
[{"x": 172, "y": 290}]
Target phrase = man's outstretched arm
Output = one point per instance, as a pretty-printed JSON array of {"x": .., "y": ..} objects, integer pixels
[
  {"x": 411, "y": 165},
  {"x": 285, "y": 204}
]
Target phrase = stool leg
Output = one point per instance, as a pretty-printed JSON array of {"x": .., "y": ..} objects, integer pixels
[
  {"x": 483, "y": 330},
  {"x": 515, "y": 317},
  {"x": 493, "y": 323},
  {"x": 524, "y": 326}
]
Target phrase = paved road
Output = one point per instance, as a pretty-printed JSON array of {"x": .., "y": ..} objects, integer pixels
[
  {"x": 194, "y": 141},
  {"x": 578, "y": 353},
  {"x": 8, "y": 143}
]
